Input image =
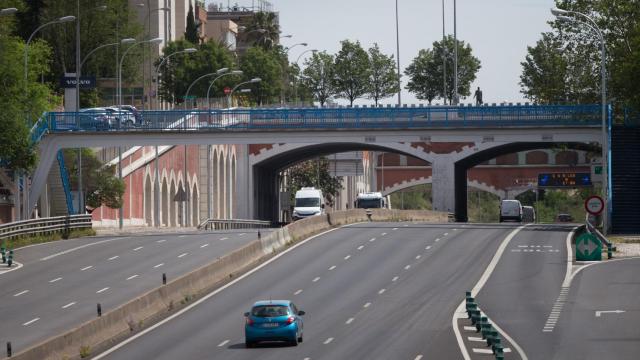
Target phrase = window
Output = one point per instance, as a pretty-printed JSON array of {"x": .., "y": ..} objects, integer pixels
[
  {"x": 307, "y": 202},
  {"x": 269, "y": 311}
]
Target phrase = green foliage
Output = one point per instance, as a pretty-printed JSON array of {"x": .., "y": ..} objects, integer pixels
[
  {"x": 482, "y": 206},
  {"x": 99, "y": 182},
  {"x": 383, "y": 79},
  {"x": 545, "y": 72},
  {"x": 318, "y": 75},
  {"x": 265, "y": 64},
  {"x": 424, "y": 76},
  {"x": 55, "y": 236},
  {"x": 558, "y": 201},
  {"x": 191, "y": 32},
  {"x": 305, "y": 174},
  {"x": 415, "y": 198},
  {"x": 267, "y": 21},
  {"x": 352, "y": 72},
  {"x": 181, "y": 70}
]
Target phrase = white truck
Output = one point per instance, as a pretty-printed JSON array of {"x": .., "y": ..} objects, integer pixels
[
  {"x": 309, "y": 202},
  {"x": 370, "y": 200}
]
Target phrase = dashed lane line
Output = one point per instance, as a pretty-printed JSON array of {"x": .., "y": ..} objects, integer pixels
[
  {"x": 86, "y": 268},
  {"x": 347, "y": 257},
  {"x": 183, "y": 255},
  {"x": 381, "y": 291},
  {"x": 161, "y": 241},
  {"x": 138, "y": 248},
  {"x": 419, "y": 357},
  {"x": 418, "y": 257},
  {"x": 55, "y": 280},
  {"x": 132, "y": 277},
  {"x": 223, "y": 343},
  {"x": 366, "y": 305},
  {"x": 332, "y": 267},
  {"x": 329, "y": 340},
  {"x": 383, "y": 234},
  {"x": 69, "y": 305},
  {"x": 360, "y": 247},
  {"x": 373, "y": 239},
  {"x": 204, "y": 246},
  {"x": 394, "y": 229},
  {"x": 21, "y": 293},
  {"x": 102, "y": 290},
  {"x": 428, "y": 247},
  {"x": 113, "y": 257},
  {"x": 349, "y": 321},
  {"x": 395, "y": 278},
  {"x": 407, "y": 267},
  {"x": 316, "y": 279},
  {"x": 223, "y": 239},
  {"x": 159, "y": 265},
  {"x": 298, "y": 292},
  {"x": 30, "y": 322}
]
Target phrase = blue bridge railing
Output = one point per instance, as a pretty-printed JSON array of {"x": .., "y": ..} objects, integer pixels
[
  {"x": 66, "y": 184},
  {"x": 327, "y": 118}
]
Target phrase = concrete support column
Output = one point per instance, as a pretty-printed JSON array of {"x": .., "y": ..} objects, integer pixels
[
  {"x": 443, "y": 184},
  {"x": 244, "y": 183}
]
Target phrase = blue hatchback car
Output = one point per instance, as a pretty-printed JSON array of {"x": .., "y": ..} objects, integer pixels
[{"x": 273, "y": 320}]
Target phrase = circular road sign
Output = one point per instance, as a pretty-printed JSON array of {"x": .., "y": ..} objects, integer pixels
[
  {"x": 227, "y": 90},
  {"x": 594, "y": 205}
]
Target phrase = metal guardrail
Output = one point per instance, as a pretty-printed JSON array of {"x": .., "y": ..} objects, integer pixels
[
  {"x": 590, "y": 228},
  {"x": 326, "y": 118},
  {"x": 44, "y": 225},
  {"x": 226, "y": 224}
]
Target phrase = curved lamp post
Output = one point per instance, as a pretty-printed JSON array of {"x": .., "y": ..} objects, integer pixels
[
  {"x": 252, "y": 81},
  {"x": 561, "y": 15},
  {"x": 234, "y": 72},
  {"x": 285, "y": 74},
  {"x": 8, "y": 11},
  {"x": 164, "y": 60},
  {"x": 152, "y": 41},
  {"x": 218, "y": 72},
  {"x": 295, "y": 88}
]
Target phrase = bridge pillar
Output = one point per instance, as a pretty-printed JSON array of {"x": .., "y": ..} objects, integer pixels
[
  {"x": 243, "y": 186},
  {"x": 442, "y": 183}
]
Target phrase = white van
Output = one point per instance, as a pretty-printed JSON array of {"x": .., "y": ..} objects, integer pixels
[
  {"x": 309, "y": 202},
  {"x": 510, "y": 210},
  {"x": 370, "y": 200}
]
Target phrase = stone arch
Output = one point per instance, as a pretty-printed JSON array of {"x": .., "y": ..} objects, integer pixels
[
  {"x": 567, "y": 158},
  {"x": 428, "y": 180},
  {"x": 148, "y": 201},
  {"x": 172, "y": 203},
  {"x": 181, "y": 197},
  {"x": 224, "y": 185},
  {"x": 537, "y": 157},
  {"x": 219, "y": 186},
  {"x": 230, "y": 188},
  {"x": 234, "y": 181},
  {"x": 195, "y": 205},
  {"x": 165, "y": 196}
]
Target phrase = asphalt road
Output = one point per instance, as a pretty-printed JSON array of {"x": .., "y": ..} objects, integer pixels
[
  {"x": 61, "y": 283},
  {"x": 370, "y": 291}
]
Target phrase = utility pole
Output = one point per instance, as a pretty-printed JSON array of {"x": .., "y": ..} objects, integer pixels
[
  {"x": 398, "y": 55},
  {"x": 455, "y": 55},
  {"x": 444, "y": 60}
]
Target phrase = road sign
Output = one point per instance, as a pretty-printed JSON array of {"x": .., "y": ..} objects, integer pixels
[
  {"x": 597, "y": 170},
  {"x": 588, "y": 248},
  {"x": 227, "y": 90},
  {"x": 594, "y": 205},
  {"x": 564, "y": 180}
]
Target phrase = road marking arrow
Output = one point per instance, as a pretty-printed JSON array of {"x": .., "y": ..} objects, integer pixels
[
  {"x": 598, "y": 313},
  {"x": 587, "y": 245}
]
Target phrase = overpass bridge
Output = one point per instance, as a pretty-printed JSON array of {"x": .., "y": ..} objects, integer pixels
[{"x": 481, "y": 133}]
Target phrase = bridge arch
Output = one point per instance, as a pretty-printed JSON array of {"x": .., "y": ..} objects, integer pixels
[
  {"x": 148, "y": 200},
  {"x": 428, "y": 180}
]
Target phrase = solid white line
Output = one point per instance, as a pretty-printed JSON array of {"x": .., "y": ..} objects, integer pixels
[
  {"x": 161, "y": 241},
  {"x": 407, "y": 267},
  {"x": 382, "y": 291},
  {"x": 460, "y": 313},
  {"x": 54, "y": 280},
  {"x": 568, "y": 273},
  {"x": 328, "y": 341},
  {"x": 395, "y": 278},
  {"x": 366, "y": 305},
  {"x": 132, "y": 277},
  {"x": 223, "y": 343},
  {"x": 316, "y": 278},
  {"x": 183, "y": 255},
  {"x": 347, "y": 257},
  {"x": 157, "y": 266},
  {"x": 224, "y": 238},
  {"x": 102, "y": 290},
  {"x": 360, "y": 247},
  {"x": 138, "y": 248},
  {"x": 204, "y": 246},
  {"x": 332, "y": 267},
  {"x": 349, "y": 321},
  {"x": 78, "y": 248},
  {"x": 86, "y": 268},
  {"x": 69, "y": 304},
  {"x": 113, "y": 257},
  {"x": 298, "y": 292},
  {"x": 21, "y": 293},
  {"x": 211, "y": 294},
  {"x": 31, "y": 322}
]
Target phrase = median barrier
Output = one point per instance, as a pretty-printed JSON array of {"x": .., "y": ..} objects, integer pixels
[{"x": 129, "y": 317}]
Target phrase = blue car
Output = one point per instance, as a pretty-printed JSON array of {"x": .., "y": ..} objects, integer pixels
[{"x": 273, "y": 320}]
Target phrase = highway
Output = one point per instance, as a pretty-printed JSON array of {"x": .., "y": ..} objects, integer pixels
[
  {"x": 370, "y": 291},
  {"x": 61, "y": 282}
]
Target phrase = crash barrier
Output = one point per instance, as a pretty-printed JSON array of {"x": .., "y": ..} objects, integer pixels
[
  {"x": 484, "y": 327},
  {"x": 44, "y": 226},
  {"x": 226, "y": 224},
  {"x": 129, "y": 317},
  {"x": 591, "y": 229}
]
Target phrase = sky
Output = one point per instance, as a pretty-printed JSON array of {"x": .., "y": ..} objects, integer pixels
[{"x": 498, "y": 31}]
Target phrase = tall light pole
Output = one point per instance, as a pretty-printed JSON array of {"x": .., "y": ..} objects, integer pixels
[
  {"x": 8, "y": 11},
  {"x": 234, "y": 72},
  {"x": 146, "y": 26},
  {"x": 298, "y": 65},
  {"x": 252, "y": 81},
  {"x": 218, "y": 72},
  {"x": 444, "y": 59},
  {"x": 455, "y": 54},
  {"x": 591, "y": 24},
  {"x": 398, "y": 55},
  {"x": 285, "y": 74},
  {"x": 151, "y": 41},
  {"x": 156, "y": 73}
]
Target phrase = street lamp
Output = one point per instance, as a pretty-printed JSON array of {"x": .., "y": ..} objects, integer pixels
[
  {"x": 219, "y": 72},
  {"x": 285, "y": 73},
  {"x": 152, "y": 41},
  {"x": 252, "y": 81},
  {"x": 147, "y": 21},
  {"x": 295, "y": 87},
  {"x": 8, "y": 11},
  {"x": 398, "y": 55},
  {"x": 164, "y": 59},
  {"x": 234, "y": 72},
  {"x": 562, "y": 15}
]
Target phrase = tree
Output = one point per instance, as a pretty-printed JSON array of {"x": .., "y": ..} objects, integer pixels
[
  {"x": 191, "y": 32},
  {"x": 424, "y": 79},
  {"x": 318, "y": 74},
  {"x": 305, "y": 174},
  {"x": 382, "y": 77},
  {"x": 100, "y": 183},
  {"x": 267, "y": 21},
  {"x": 545, "y": 72},
  {"x": 352, "y": 71},
  {"x": 264, "y": 64}
]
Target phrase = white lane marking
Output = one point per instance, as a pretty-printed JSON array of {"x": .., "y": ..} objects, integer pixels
[
  {"x": 223, "y": 343},
  {"x": 102, "y": 290},
  {"x": 347, "y": 257},
  {"x": 242, "y": 234},
  {"x": 298, "y": 292},
  {"x": 438, "y": 239},
  {"x": 394, "y": 229},
  {"x": 476, "y": 339},
  {"x": 157, "y": 266},
  {"x": 383, "y": 234},
  {"x": 54, "y": 280},
  {"x": 455, "y": 229},
  {"x": 366, "y": 305},
  {"x": 183, "y": 255},
  {"x": 211, "y": 294},
  {"x": 132, "y": 277},
  {"x": 316, "y": 278},
  {"x": 419, "y": 357},
  {"x": 31, "y": 322},
  {"x": 204, "y": 246},
  {"x": 86, "y": 268},
  {"x": 428, "y": 247},
  {"x": 381, "y": 291},
  {"x": 445, "y": 234},
  {"x": 326, "y": 342},
  {"x": 360, "y": 247},
  {"x": 418, "y": 257},
  {"x": 21, "y": 293},
  {"x": 69, "y": 304},
  {"x": 547, "y": 246},
  {"x": 224, "y": 238},
  {"x": 78, "y": 248},
  {"x": 160, "y": 241},
  {"x": 523, "y": 246},
  {"x": 332, "y": 267},
  {"x": 395, "y": 278},
  {"x": 372, "y": 239},
  {"x": 138, "y": 248},
  {"x": 113, "y": 257},
  {"x": 349, "y": 321},
  {"x": 470, "y": 328},
  {"x": 407, "y": 267},
  {"x": 460, "y": 313},
  {"x": 483, "y": 351},
  {"x": 182, "y": 236}
]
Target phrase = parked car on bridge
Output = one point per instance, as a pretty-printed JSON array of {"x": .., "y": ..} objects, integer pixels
[
  {"x": 121, "y": 116},
  {"x": 273, "y": 320}
]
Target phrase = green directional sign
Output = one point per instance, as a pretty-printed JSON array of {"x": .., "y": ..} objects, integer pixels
[{"x": 588, "y": 248}]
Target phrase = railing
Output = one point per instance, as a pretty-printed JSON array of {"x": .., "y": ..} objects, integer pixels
[
  {"x": 64, "y": 175},
  {"x": 590, "y": 228},
  {"x": 39, "y": 129},
  {"x": 226, "y": 224},
  {"x": 44, "y": 225},
  {"x": 327, "y": 118}
]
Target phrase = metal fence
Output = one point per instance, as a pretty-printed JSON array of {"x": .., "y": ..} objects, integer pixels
[
  {"x": 44, "y": 226},
  {"x": 227, "y": 224}
]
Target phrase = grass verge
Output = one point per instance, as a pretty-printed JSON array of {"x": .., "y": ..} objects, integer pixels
[{"x": 39, "y": 239}]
